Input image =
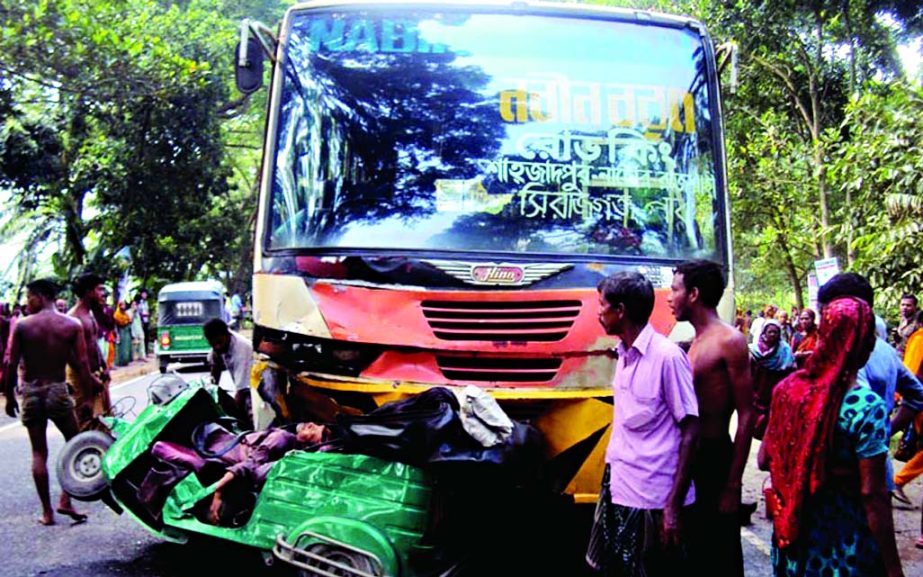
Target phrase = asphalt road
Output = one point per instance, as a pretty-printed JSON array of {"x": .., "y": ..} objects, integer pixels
[{"x": 113, "y": 545}]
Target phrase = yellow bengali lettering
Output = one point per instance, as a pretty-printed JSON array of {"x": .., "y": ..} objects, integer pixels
[{"x": 648, "y": 108}]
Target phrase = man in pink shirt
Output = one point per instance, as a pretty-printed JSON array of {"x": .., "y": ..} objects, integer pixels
[{"x": 654, "y": 432}]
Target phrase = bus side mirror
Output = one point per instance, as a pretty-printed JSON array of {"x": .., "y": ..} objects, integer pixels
[{"x": 248, "y": 66}]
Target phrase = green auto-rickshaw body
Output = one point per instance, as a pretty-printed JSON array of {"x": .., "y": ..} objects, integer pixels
[
  {"x": 182, "y": 309},
  {"x": 312, "y": 502}
]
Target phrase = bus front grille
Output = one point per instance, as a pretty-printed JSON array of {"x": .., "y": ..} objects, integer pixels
[
  {"x": 522, "y": 321},
  {"x": 481, "y": 369}
]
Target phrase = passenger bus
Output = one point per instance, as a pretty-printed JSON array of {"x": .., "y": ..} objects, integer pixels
[{"x": 445, "y": 184}]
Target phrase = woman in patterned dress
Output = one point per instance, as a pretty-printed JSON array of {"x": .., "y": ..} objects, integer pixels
[{"x": 825, "y": 448}]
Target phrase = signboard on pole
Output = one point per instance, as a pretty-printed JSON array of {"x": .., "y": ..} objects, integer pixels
[
  {"x": 812, "y": 290},
  {"x": 826, "y": 269}
]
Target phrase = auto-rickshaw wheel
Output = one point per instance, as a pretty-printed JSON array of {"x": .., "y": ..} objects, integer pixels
[
  {"x": 79, "y": 467},
  {"x": 352, "y": 559}
]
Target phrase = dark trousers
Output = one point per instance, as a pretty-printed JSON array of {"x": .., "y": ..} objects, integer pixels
[{"x": 714, "y": 538}]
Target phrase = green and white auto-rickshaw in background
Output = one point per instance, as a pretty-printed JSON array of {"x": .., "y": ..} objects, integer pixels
[{"x": 182, "y": 309}]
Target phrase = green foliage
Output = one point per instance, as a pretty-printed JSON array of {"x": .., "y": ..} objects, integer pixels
[
  {"x": 880, "y": 161},
  {"x": 114, "y": 134},
  {"x": 785, "y": 124}
]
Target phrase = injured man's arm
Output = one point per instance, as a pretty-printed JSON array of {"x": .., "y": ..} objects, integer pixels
[
  {"x": 258, "y": 456},
  {"x": 214, "y": 512}
]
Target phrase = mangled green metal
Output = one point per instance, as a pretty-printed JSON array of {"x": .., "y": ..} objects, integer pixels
[
  {"x": 305, "y": 485},
  {"x": 378, "y": 507},
  {"x": 136, "y": 438}
]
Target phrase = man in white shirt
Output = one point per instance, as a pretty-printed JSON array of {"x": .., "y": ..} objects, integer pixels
[{"x": 233, "y": 353}]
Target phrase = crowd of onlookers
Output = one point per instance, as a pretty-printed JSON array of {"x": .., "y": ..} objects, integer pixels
[
  {"x": 824, "y": 430},
  {"x": 783, "y": 340},
  {"x": 795, "y": 333},
  {"x": 779, "y": 346},
  {"x": 57, "y": 358},
  {"x": 125, "y": 327},
  {"x": 129, "y": 330},
  {"x": 124, "y": 331}
]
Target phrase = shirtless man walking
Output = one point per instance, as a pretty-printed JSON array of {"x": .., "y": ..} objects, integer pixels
[
  {"x": 45, "y": 342},
  {"x": 91, "y": 295},
  {"x": 721, "y": 374}
]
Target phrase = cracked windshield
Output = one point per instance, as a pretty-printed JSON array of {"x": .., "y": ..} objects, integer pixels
[{"x": 495, "y": 133}]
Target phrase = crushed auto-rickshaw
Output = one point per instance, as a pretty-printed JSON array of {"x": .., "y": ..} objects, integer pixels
[{"x": 325, "y": 510}]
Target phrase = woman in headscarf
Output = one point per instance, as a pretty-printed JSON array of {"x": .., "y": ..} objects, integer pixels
[
  {"x": 770, "y": 351},
  {"x": 804, "y": 341},
  {"x": 136, "y": 330},
  {"x": 122, "y": 318},
  {"x": 825, "y": 449},
  {"x": 771, "y": 361}
]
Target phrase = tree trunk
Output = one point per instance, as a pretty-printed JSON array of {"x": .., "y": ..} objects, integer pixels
[
  {"x": 244, "y": 273},
  {"x": 853, "y": 88},
  {"x": 245, "y": 262},
  {"x": 817, "y": 130},
  {"x": 790, "y": 269},
  {"x": 850, "y": 250},
  {"x": 796, "y": 282},
  {"x": 852, "y": 47},
  {"x": 73, "y": 229},
  {"x": 820, "y": 171}
]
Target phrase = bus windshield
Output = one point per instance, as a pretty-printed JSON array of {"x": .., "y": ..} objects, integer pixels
[{"x": 427, "y": 130}]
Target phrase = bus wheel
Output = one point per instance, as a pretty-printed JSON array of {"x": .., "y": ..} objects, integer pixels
[{"x": 163, "y": 364}]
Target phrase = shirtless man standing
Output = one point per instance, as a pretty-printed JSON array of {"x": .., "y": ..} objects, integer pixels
[
  {"x": 45, "y": 342},
  {"x": 721, "y": 374},
  {"x": 91, "y": 295}
]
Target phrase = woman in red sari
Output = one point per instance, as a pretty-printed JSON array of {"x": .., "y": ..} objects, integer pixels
[
  {"x": 805, "y": 340},
  {"x": 825, "y": 448}
]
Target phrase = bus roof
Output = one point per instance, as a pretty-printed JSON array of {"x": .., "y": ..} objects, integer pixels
[{"x": 545, "y": 7}]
